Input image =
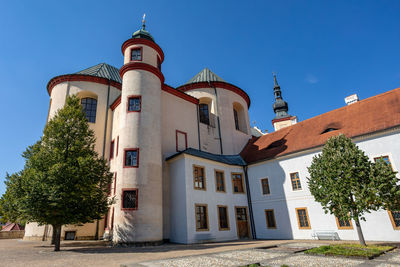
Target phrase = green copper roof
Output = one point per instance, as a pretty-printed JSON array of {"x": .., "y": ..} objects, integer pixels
[
  {"x": 205, "y": 75},
  {"x": 142, "y": 33},
  {"x": 103, "y": 70}
]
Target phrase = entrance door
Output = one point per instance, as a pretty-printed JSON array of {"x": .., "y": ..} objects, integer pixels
[{"x": 241, "y": 222}]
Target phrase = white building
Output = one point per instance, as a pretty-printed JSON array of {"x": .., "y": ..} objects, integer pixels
[{"x": 188, "y": 167}]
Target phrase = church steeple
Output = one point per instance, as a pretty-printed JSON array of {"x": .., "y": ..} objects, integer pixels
[
  {"x": 282, "y": 118},
  {"x": 280, "y": 106}
]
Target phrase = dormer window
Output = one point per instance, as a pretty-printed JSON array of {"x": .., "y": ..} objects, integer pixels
[
  {"x": 136, "y": 54},
  {"x": 327, "y": 130}
]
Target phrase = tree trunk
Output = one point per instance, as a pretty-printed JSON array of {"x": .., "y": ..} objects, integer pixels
[
  {"x": 53, "y": 236},
  {"x": 57, "y": 239},
  {"x": 359, "y": 232}
]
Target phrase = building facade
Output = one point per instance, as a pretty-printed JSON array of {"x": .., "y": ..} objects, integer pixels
[{"x": 189, "y": 168}]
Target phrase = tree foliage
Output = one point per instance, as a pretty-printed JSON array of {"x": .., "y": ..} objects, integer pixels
[
  {"x": 64, "y": 181},
  {"x": 348, "y": 184}
]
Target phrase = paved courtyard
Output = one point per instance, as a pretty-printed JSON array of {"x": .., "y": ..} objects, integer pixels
[{"x": 28, "y": 254}]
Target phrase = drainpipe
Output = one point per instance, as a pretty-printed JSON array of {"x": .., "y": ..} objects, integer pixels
[
  {"x": 198, "y": 125},
  {"x": 217, "y": 109},
  {"x": 253, "y": 227}
]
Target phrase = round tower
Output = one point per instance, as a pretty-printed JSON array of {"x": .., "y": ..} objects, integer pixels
[{"x": 138, "y": 208}]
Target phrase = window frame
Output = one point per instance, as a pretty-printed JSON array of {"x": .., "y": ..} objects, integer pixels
[
  {"x": 233, "y": 184},
  {"x": 195, "y": 217},
  {"x": 122, "y": 199},
  {"x": 112, "y": 149},
  {"x": 216, "y": 182},
  {"x": 141, "y": 53},
  {"x": 208, "y": 114},
  {"x": 84, "y": 111},
  {"x": 204, "y": 178},
  {"x": 140, "y": 103},
  {"x": 344, "y": 227},
  {"x": 262, "y": 186},
  {"x": 291, "y": 181},
  {"x": 298, "y": 218},
  {"x": 392, "y": 220},
  {"x": 273, "y": 217},
  {"x": 116, "y": 153},
  {"x": 176, "y": 139},
  {"x": 115, "y": 183},
  {"x": 227, "y": 218},
  {"x": 236, "y": 119},
  {"x": 131, "y": 149}
]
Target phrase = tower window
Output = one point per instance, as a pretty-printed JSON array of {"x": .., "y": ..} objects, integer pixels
[
  {"x": 204, "y": 114},
  {"x": 134, "y": 104},
  {"x": 130, "y": 199},
  {"x": 136, "y": 54},
  {"x": 158, "y": 63},
  {"x": 112, "y": 149},
  {"x": 131, "y": 158},
  {"x": 89, "y": 106},
  {"x": 235, "y": 115}
]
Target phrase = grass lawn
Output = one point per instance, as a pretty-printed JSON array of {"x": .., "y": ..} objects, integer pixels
[{"x": 350, "y": 250}]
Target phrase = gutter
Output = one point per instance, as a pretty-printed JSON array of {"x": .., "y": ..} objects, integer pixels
[{"x": 249, "y": 203}]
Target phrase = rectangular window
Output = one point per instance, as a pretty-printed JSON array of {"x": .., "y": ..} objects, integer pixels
[
  {"x": 117, "y": 145},
  {"x": 204, "y": 114},
  {"x": 106, "y": 220},
  {"x": 131, "y": 158},
  {"x": 235, "y": 115},
  {"x": 130, "y": 199},
  {"x": 136, "y": 54},
  {"x": 181, "y": 140},
  {"x": 237, "y": 183},
  {"x": 270, "y": 219},
  {"x": 134, "y": 104},
  {"x": 302, "y": 218},
  {"x": 112, "y": 149},
  {"x": 385, "y": 159},
  {"x": 199, "y": 179},
  {"x": 220, "y": 181},
  {"x": 115, "y": 182},
  {"x": 395, "y": 219},
  {"x": 344, "y": 224},
  {"x": 295, "y": 178},
  {"x": 223, "y": 219},
  {"x": 158, "y": 63},
  {"x": 265, "y": 186},
  {"x": 201, "y": 217}
]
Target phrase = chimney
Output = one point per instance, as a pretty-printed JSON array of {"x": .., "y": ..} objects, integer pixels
[{"x": 351, "y": 99}]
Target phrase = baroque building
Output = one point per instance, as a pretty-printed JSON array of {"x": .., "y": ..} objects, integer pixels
[{"x": 188, "y": 167}]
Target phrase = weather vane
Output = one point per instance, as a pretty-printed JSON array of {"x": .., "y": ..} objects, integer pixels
[{"x": 144, "y": 21}]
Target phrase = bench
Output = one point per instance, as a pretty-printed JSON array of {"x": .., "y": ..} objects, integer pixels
[{"x": 325, "y": 235}]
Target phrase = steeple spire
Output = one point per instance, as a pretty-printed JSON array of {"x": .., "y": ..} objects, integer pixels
[
  {"x": 280, "y": 106},
  {"x": 144, "y": 22}
]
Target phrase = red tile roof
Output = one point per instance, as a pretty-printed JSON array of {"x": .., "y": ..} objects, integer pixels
[
  {"x": 373, "y": 114},
  {"x": 12, "y": 227}
]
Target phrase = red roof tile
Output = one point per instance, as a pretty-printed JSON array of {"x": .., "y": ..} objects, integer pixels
[{"x": 373, "y": 114}]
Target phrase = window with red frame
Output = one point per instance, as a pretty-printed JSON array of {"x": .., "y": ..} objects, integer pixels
[
  {"x": 130, "y": 199},
  {"x": 112, "y": 149},
  {"x": 115, "y": 182},
  {"x": 117, "y": 145},
  {"x": 131, "y": 158},
  {"x": 136, "y": 54},
  {"x": 158, "y": 63},
  {"x": 134, "y": 104}
]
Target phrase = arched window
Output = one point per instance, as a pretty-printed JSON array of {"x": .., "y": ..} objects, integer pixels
[
  {"x": 236, "y": 117},
  {"x": 204, "y": 113},
  {"x": 89, "y": 106},
  {"x": 239, "y": 117}
]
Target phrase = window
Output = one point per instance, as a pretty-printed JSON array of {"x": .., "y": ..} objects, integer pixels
[
  {"x": 223, "y": 219},
  {"x": 117, "y": 145},
  {"x": 220, "y": 181},
  {"x": 270, "y": 219},
  {"x": 199, "y": 178},
  {"x": 384, "y": 158},
  {"x": 131, "y": 158},
  {"x": 130, "y": 199},
  {"x": 136, "y": 54},
  {"x": 109, "y": 189},
  {"x": 302, "y": 218},
  {"x": 344, "y": 224},
  {"x": 294, "y": 177},
  {"x": 201, "y": 217},
  {"x": 181, "y": 140},
  {"x": 395, "y": 219},
  {"x": 89, "y": 106},
  {"x": 134, "y": 104},
  {"x": 106, "y": 220},
  {"x": 237, "y": 182},
  {"x": 115, "y": 182},
  {"x": 265, "y": 186},
  {"x": 204, "y": 114},
  {"x": 112, "y": 149},
  {"x": 235, "y": 115},
  {"x": 69, "y": 235},
  {"x": 158, "y": 63}
]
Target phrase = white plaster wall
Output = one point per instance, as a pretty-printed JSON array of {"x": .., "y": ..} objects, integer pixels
[
  {"x": 284, "y": 200},
  {"x": 183, "y": 185},
  {"x": 149, "y": 55},
  {"x": 233, "y": 140}
]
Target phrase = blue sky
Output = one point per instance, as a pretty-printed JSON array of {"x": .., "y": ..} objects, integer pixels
[{"x": 322, "y": 51}]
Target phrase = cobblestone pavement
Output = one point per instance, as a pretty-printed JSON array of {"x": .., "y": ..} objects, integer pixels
[{"x": 287, "y": 254}]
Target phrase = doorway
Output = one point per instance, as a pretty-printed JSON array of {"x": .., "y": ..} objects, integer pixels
[{"x": 242, "y": 224}]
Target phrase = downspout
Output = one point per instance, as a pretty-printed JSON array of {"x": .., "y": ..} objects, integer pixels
[
  {"x": 198, "y": 125},
  {"x": 249, "y": 202},
  {"x": 96, "y": 236},
  {"x": 217, "y": 109}
]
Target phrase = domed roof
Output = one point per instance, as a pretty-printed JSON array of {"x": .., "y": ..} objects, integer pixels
[{"x": 142, "y": 33}]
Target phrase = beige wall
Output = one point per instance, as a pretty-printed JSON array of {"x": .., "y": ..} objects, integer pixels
[
  {"x": 12, "y": 234},
  {"x": 149, "y": 55}
]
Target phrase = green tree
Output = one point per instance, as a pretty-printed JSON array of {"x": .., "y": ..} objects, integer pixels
[
  {"x": 9, "y": 209},
  {"x": 348, "y": 184},
  {"x": 64, "y": 181}
]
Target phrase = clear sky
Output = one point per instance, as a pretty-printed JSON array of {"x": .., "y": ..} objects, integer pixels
[{"x": 322, "y": 51}]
